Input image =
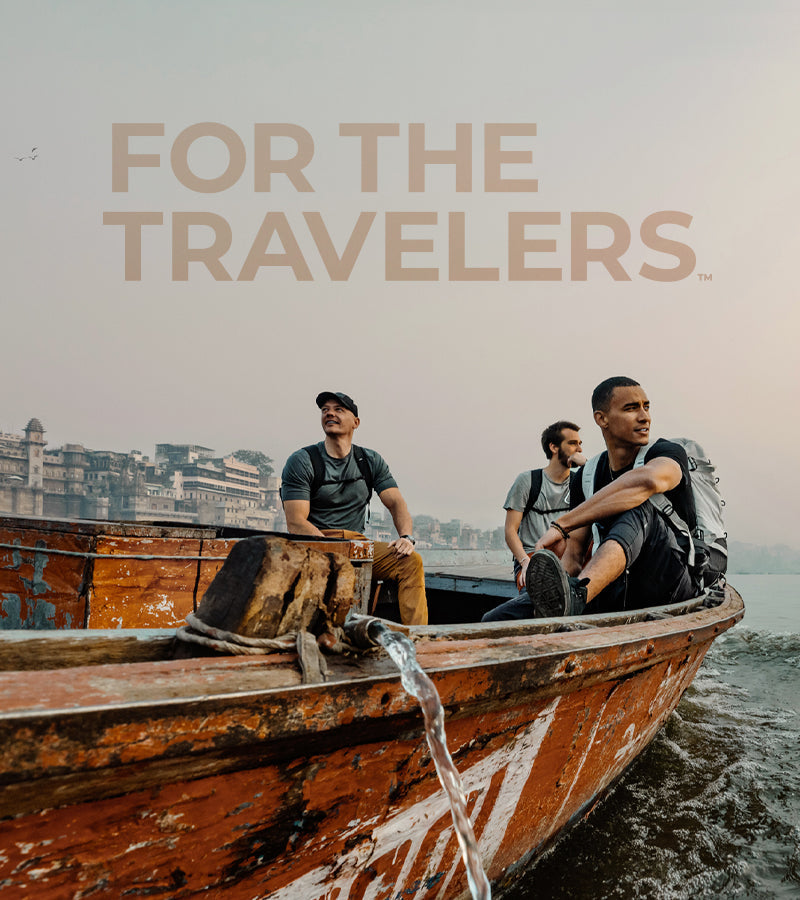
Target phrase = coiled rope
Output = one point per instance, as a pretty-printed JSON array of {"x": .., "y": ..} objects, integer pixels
[
  {"x": 311, "y": 659},
  {"x": 230, "y": 642}
]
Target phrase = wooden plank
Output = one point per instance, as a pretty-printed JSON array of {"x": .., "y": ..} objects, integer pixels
[
  {"x": 78, "y": 592},
  {"x": 47, "y": 650},
  {"x": 151, "y": 592}
]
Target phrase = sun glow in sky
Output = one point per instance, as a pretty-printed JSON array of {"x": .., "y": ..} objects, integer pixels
[{"x": 638, "y": 110}]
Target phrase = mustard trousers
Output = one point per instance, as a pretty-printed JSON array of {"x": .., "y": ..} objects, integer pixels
[
  {"x": 407, "y": 571},
  {"x": 409, "y": 574}
]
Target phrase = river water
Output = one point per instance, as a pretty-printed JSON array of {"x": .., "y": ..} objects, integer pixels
[{"x": 712, "y": 808}]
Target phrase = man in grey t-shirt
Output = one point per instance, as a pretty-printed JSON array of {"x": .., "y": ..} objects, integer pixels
[
  {"x": 338, "y": 498},
  {"x": 528, "y": 518}
]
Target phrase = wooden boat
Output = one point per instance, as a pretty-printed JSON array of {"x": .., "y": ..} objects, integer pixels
[
  {"x": 57, "y": 573},
  {"x": 127, "y": 772}
]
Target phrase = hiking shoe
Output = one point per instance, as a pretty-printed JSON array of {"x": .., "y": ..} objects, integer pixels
[
  {"x": 552, "y": 591},
  {"x": 578, "y": 595}
]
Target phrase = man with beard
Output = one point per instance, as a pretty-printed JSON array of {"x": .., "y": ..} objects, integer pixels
[
  {"x": 529, "y": 511},
  {"x": 536, "y": 498},
  {"x": 327, "y": 487}
]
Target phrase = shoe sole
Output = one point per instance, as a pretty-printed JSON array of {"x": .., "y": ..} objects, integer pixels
[{"x": 547, "y": 585}]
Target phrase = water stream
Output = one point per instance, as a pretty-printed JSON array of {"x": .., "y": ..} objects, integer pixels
[{"x": 417, "y": 683}]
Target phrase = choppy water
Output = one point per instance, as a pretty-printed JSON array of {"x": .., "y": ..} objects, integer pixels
[{"x": 712, "y": 808}]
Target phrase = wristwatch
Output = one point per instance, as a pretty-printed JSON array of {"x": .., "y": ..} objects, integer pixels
[{"x": 408, "y": 537}]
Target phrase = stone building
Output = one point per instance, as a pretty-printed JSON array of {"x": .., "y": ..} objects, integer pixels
[
  {"x": 185, "y": 484},
  {"x": 22, "y": 465}
]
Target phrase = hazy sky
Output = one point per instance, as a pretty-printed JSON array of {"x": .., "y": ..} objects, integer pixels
[{"x": 689, "y": 108}]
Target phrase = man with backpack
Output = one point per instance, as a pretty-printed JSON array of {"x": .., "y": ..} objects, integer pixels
[
  {"x": 538, "y": 496},
  {"x": 328, "y": 486},
  {"x": 627, "y": 501}
]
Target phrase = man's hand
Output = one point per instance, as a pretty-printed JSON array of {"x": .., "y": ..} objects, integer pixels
[
  {"x": 576, "y": 460},
  {"x": 521, "y": 573},
  {"x": 553, "y": 540},
  {"x": 402, "y": 546}
]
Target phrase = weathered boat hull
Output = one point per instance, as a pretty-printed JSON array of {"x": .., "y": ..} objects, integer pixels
[
  {"x": 230, "y": 778},
  {"x": 57, "y": 573}
]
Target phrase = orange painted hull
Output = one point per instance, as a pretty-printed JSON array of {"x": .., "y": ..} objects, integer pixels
[
  {"x": 79, "y": 574},
  {"x": 227, "y": 777}
]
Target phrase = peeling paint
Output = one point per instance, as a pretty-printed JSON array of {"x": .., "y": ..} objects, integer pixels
[{"x": 38, "y": 614}]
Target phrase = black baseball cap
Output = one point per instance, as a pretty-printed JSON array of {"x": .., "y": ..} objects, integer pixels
[{"x": 339, "y": 397}]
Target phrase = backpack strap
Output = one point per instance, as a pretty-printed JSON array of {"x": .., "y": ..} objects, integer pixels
[
  {"x": 318, "y": 465},
  {"x": 533, "y": 493},
  {"x": 667, "y": 510},
  {"x": 362, "y": 460},
  {"x": 587, "y": 483},
  {"x": 587, "y": 476}
]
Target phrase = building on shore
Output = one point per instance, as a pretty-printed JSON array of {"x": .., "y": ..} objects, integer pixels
[
  {"x": 183, "y": 483},
  {"x": 186, "y": 483},
  {"x": 431, "y": 534}
]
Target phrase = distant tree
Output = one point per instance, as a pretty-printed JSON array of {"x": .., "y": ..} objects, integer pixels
[{"x": 256, "y": 458}]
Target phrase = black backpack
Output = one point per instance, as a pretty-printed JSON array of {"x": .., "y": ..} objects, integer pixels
[
  {"x": 533, "y": 496},
  {"x": 318, "y": 464}
]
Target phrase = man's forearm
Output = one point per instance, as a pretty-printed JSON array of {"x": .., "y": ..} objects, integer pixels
[
  {"x": 303, "y": 526},
  {"x": 297, "y": 513},
  {"x": 596, "y": 508},
  {"x": 627, "y": 492},
  {"x": 393, "y": 500},
  {"x": 403, "y": 522},
  {"x": 515, "y": 545}
]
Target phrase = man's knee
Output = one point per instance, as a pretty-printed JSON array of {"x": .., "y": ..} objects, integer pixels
[
  {"x": 415, "y": 563},
  {"x": 633, "y": 529},
  {"x": 411, "y": 568}
]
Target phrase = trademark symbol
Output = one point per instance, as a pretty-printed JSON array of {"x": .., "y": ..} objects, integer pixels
[{"x": 704, "y": 276}]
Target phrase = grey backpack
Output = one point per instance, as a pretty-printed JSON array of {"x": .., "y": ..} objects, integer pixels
[{"x": 708, "y": 544}]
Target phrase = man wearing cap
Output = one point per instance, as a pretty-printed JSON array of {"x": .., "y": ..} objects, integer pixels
[{"x": 326, "y": 487}]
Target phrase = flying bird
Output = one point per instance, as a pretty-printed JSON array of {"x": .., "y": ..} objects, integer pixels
[{"x": 33, "y": 155}]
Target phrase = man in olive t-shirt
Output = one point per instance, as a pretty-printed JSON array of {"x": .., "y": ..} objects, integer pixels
[{"x": 340, "y": 501}]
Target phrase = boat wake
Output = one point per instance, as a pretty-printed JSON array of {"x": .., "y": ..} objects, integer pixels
[{"x": 712, "y": 808}]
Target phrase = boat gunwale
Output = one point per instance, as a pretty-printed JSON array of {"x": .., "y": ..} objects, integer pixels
[
  {"x": 120, "y": 528},
  {"x": 706, "y": 625},
  {"x": 423, "y": 635}
]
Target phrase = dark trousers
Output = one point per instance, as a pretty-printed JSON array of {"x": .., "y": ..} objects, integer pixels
[
  {"x": 519, "y": 607},
  {"x": 655, "y": 565},
  {"x": 655, "y": 569}
]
